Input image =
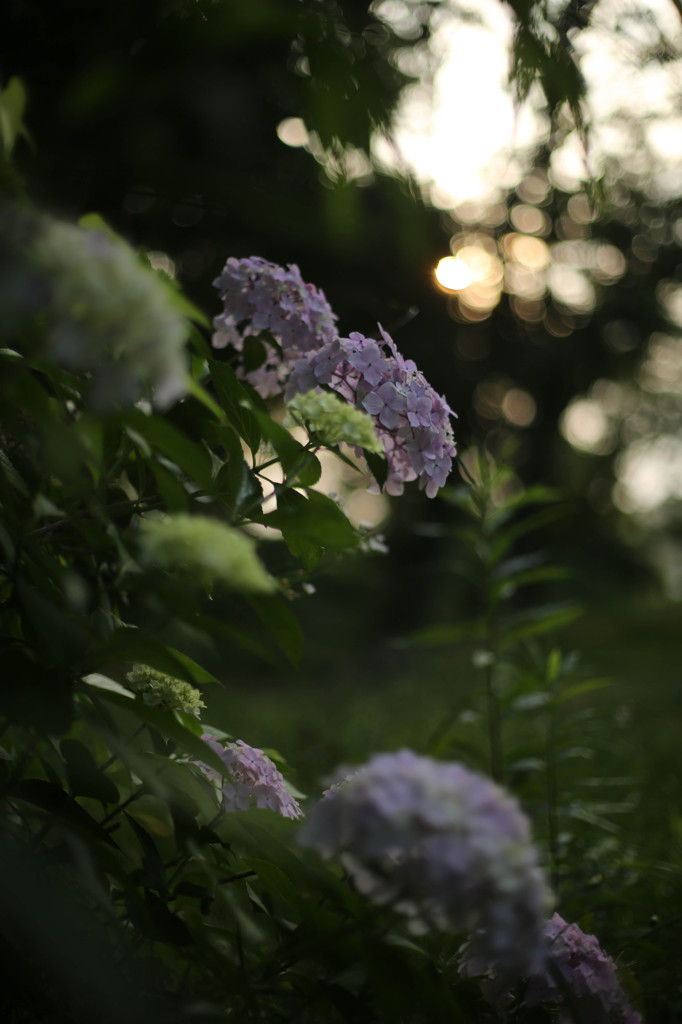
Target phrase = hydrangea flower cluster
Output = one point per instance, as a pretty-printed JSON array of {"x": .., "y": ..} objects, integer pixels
[
  {"x": 445, "y": 846},
  {"x": 333, "y": 420},
  {"x": 589, "y": 973},
  {"x": 207, "y": 549},
  {"x": 302, "y": 352},
  {"x": 254, "y": 779},
  {"x": 261, "y": 296},
  {"x": 411, "y": 420},
  {"x": 157, "y": 687},
  {"x": 104, "y": 313}
]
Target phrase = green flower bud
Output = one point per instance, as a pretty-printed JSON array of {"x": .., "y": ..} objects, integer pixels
[
  {"x": 160, "y": 688},
  {"x": 334, "y": 420},
  {"x": 207, "y": 549}
]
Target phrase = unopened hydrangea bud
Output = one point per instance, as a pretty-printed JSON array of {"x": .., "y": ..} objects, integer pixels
[
  {"x": 334, "y": 420},
  {"x": 259, "y": 296},
  {"x": 206, "y": 549},
  {"x": 589, "y": 974},
  {"x": 254, "y": 780},
  {"x": 411, "y": 420},
  {"x": 160, "y": 688},
  {"x": 444, "y": 846},
  {"x": 101, "y": 310}
]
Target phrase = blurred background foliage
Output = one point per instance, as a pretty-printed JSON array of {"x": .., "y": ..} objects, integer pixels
[{"x": 202, "y": 129}]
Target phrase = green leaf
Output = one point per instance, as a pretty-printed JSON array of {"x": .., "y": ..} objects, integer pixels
[
  {"x": 582, "y": 688},
  {"x": 378, "y": 466},
  {"x": 61, "y": 637},
  {"x": 53, "y": 799},
  {"x": 201, "y": 394},
  {"x": 276, "y": 882},
  {"x": 314, "y": 519},
  {"x": 84, "y": 776},
  {"x": 195, "y": 672},
  {"x": 443, "y": 633},
  {"x": 34, "y": 694},
  {"x": 170, "y": 488},
  {"x": 191, "y": 458},
  {"x": 152, "y": 814},
  {"x": 12, "y": 106},
  {"x": 130, "y": 644},
  {"x": 167, "y": 725},
  {"x": 504, "y": 539},
  {"x": 101, "y": 682},
  {"x": 310, "y": 472},
  {"x": 237, "y": 402},
  {"x": 12, "y": 476},
  {"x": 235, "y": 484},
  {"x": 537, "y": 621},
  {"x": 277, "y": 615},
  {"x": 291, "y": 452}
]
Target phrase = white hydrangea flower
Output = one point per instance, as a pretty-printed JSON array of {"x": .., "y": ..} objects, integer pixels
[{"x": 108, "y": 315}]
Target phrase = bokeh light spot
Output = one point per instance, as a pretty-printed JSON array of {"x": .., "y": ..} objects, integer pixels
[
  {"x": 453, "y": 274},
  {"x": 518, "y": 407},
  {"x": 292, "y": 132},
  {"x": 585, "y": 425}
]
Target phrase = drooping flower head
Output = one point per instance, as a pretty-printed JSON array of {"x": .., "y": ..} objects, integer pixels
[
  {"x": 254, "y": 779},
  {"x": 86, "y": 302},
  {"x": 261, "y": 296},
  {"x": 589, "y": 974},
  {"x": 412, "y": 421},
  {"x": 444, "y": 846}
]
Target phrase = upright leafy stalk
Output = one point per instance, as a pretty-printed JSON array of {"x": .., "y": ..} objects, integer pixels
[{"x": 487, "y": 658}]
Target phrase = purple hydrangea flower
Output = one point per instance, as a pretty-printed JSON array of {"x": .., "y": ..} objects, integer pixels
[
  {"x": 304, "y": 352},
  {"x": 261, "y": 296},
  {"x": 254, "y": 779},
  {"x": 589, "y": 973},
  {"x": 444, "y": 846},
  {"x": 412, "y": 421}
]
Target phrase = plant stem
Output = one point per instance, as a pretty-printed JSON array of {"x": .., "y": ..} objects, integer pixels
[
  {"x": 494, "y": 731},
  {"x": 552, "y": 794}
]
